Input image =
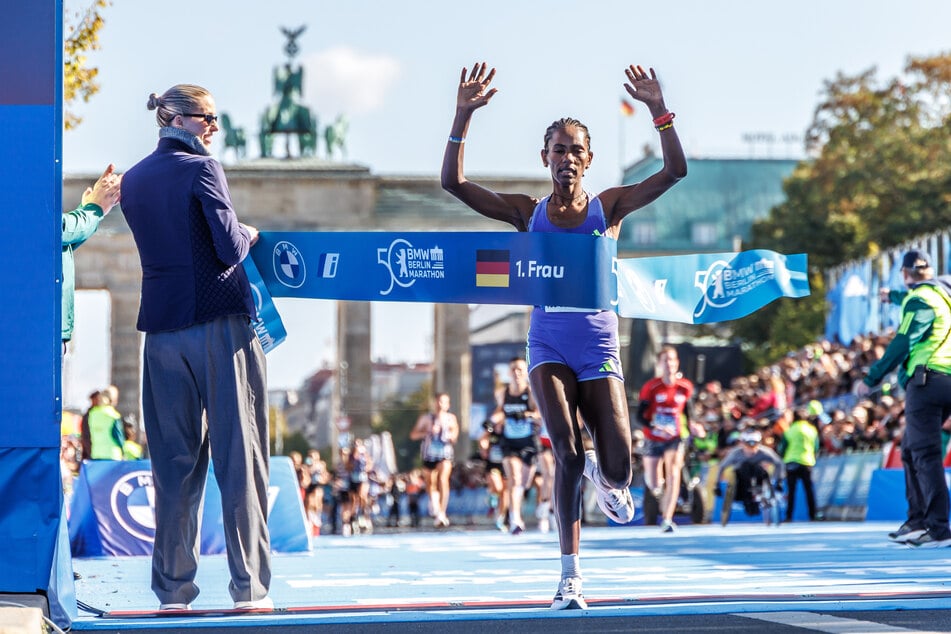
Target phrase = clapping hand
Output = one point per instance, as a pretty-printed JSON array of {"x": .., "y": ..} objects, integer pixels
[
  {"x": 473, "y": 91},
  {"x": 105, "y": 192}
]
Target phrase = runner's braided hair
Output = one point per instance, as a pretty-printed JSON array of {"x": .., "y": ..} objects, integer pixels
[{"x": 564, "y": 123}]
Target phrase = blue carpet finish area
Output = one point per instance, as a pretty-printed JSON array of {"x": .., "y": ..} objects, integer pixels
[{"x": 484, "y": 576}]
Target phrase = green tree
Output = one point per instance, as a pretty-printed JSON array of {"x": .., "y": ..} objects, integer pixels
[
  {"x": 82, "y": 30},
  {"x": 880, "y": 174},
  {"x": 293, "y": 442},
  {"x": 399, "y": 416}
]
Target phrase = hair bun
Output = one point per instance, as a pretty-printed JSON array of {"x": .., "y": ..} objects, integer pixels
[{"x": 154, "y": 101}]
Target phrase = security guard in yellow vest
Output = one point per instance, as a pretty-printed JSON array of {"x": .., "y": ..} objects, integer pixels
[
  {"x": 921, "y": 349},
  {"x": 102, "y": 433},
  {"x": 800, "y": 444}
]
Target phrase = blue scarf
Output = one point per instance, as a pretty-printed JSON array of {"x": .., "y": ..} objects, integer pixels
[{"x": 186, "y": 137}]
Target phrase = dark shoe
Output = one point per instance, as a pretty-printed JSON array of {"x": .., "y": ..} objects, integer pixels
[
  {"x": 906, "y": 533},
  {"x": 928, "y": 541}
]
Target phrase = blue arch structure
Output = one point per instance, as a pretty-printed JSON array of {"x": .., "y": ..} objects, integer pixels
[{"x": 31, "y": 123}]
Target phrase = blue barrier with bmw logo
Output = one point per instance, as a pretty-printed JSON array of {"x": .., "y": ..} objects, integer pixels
[{"x": 112, "y": 511}]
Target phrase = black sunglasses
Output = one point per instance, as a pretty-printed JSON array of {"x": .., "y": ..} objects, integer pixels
[{"x": 209, "y": 118}]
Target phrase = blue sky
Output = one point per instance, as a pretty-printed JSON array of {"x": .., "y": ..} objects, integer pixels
[{"x": 727, "y": 68}]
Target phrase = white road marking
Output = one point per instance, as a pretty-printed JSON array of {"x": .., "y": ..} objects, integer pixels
[{"x": 826, "y": 623}]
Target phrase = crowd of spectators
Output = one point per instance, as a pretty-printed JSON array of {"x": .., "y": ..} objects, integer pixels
[
  {"x": 767, "y": 399},
  {"x": 824, "y": 372}
]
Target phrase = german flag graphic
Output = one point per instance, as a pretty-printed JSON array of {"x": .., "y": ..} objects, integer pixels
[{"x": 492, "y": 267}]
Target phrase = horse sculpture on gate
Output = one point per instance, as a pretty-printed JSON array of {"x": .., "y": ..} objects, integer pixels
[
  {"x": 234, "y": 137},
  {"x": 335, "y": 136},
  {"x": 287, "y": 115}
]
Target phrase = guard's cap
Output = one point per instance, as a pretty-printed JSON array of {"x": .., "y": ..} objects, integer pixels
[
  {"x": 915, "y": 259},
  {"x": 815, "y": 410}
]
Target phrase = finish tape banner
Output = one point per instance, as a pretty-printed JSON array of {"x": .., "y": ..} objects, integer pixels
[
  {"x": 538, "y": 269},
  {"x": 268, "y": 325},
  {"x": 708, "y": 288}
]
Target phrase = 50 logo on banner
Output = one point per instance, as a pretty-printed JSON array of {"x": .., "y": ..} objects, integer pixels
[{"x": 406, "y": 264}]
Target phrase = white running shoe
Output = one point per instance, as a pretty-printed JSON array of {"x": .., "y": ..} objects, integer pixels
[
  {"x": 569, "y": 595},
  {"x": 175, "y": 606},
  {"x": 615, "y": 503},
  {"x": 264, "y": 603}
]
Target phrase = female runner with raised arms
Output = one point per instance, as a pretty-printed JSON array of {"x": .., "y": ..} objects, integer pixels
[{"x": 573, "y": 355}]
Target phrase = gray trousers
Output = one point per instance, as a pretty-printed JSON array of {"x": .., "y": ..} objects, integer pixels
[{"x": 204, "y": 394}]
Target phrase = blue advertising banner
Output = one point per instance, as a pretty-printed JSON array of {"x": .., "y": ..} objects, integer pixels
[
  {"x": 542, "y": 269},
  {"x": 708, "y": 288},
  {"x": 31, "y": 498},
  {"x": 825, "y": 475},
  {"x": 849, "y": 302},
  {"x": 886, "y": 498},
  {"x": 113, "y": 511}
]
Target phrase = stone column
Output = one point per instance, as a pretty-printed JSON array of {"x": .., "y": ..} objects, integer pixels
[
  {"x": 354, "y": 375},
  {"x": 126, "y": 344},
  {"x": 452, "y": 366}
]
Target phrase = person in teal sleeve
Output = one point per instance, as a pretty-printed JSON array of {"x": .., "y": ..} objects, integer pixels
[
  {"x": 921, "y": 351},
  {"x": 78, "y": 226},
  {"x": 800, "y": 446}
]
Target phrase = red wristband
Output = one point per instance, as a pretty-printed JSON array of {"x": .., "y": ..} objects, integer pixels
[{"x": 665, "y": 118}]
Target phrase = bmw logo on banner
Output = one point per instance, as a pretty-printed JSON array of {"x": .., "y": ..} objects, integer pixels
[
  {"x": 132, "y": 501},
  {"x": 289, "y": 265}
]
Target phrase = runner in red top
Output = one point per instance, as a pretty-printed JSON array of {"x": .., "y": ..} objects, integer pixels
[{"x": 662, "y": 410}]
